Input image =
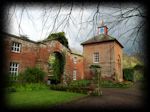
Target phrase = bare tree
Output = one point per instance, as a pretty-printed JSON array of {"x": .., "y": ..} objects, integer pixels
[{"x": 116, "y": 16}]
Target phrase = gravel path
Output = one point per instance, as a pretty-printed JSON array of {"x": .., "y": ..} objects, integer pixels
[{"x": 112, "y": 98}]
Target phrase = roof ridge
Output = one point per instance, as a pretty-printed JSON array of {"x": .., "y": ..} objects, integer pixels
[
  {"x": 19, "y": 37},
  {"x": 99, "y": 38}
]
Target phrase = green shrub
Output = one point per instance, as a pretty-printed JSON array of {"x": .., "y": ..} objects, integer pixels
[
  {"x": 106, "y": 83},
  {"x": 10, "y": 81},
  {"x": 21, "y": 77},
  {"x": 69, "y": 88},
  {"x": 32, "y": 75},
  {"x": 77, "y": 89},
  {"x": 80, "y": 83},
  {"x": 35, "y": 86},
  {"x": 139, "y": 76},
  {"x": 11, "y": 89},
  {"x": 138, "y": 72},
  {"x": 28, "y": 87},
  {"x": 139, "y": 67},
  {"x": 58, "y": 87},
  {"x": 111, "y": 84},
  {"x": 128, "y": 74}
]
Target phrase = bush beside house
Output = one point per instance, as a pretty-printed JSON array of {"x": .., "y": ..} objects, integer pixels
[
  {"x": 30, "y": 79},
  {"x": 134, "y": 74}
]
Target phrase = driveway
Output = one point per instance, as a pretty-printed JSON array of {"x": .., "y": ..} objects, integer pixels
[{"x": 112, "y": 98}]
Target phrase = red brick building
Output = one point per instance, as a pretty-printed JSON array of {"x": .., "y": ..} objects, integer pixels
[
  {"x": 101, "y": 49},
  {"x": 105, "y": 51},
  {"x": 22, "y": 53}
]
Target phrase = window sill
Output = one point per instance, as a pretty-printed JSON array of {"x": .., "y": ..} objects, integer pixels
[{"x": 15, "y": 51}]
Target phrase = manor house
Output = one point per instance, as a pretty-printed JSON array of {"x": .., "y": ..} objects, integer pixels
[{"x": 101, "y": 49}]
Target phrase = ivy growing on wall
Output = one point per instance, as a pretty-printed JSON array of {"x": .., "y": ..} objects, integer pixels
[
  {"x": 59, "y": 37},
  {"x": 57, "y": 63}
]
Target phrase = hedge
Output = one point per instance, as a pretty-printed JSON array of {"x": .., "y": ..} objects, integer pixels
[{"x": 128, "y": 74}]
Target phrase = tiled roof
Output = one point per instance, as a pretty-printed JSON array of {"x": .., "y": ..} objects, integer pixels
[
  {"x": 99, "y": 39},
  {"x": 18, "y": 37}
]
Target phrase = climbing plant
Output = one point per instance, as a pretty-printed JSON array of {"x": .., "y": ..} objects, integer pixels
[
  {"x": 59, "y": 37},
  {"x": 57, "y": 62}
]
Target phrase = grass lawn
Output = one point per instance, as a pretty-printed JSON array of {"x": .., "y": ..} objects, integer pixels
[{"x": 40, "y": 98}]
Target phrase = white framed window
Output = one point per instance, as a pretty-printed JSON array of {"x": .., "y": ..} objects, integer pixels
[
  {"x": 13, "y": 70},
  {"x": 74, "y": 60},
  {"x": 16, "y": 47},
  {"x": 74, "y": 74},
  {"x": 96, "y": 57}
]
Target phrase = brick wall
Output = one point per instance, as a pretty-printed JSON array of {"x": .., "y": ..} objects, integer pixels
[
  {"x": 118, "y": 62},
  {"x": 77, "y": 65},
  {"x": 108, "y": 52},
  {"x": 26, "y": 57},
  {"x": 37, "y": 54}
]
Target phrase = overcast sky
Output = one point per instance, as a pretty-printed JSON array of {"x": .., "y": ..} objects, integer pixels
[{"x": 37, "y": 22}]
